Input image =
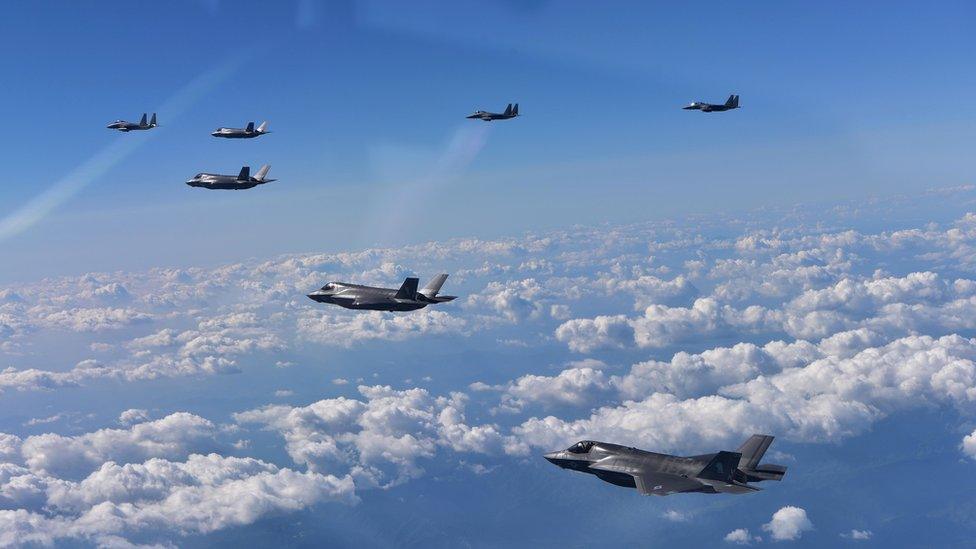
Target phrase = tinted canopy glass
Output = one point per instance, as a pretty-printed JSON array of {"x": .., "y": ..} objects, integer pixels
[{"x": 582, "y": 447}]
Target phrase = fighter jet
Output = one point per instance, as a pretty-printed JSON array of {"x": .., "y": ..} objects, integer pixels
[
  {"x": 407, "y": 298},
  {"x": 242, "y": 181},
  {"x": 731, "y": 103},
  {"x": 662, "y": 474},
  {"x": 242, "y": 133},
  {"x": 124, "y": 126},
  {"x": 510, "y": 112}
]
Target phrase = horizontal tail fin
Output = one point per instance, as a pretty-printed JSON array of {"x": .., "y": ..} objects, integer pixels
[
  {"x": 409, "y": 289},
  {"x": 766, "y": 471}
]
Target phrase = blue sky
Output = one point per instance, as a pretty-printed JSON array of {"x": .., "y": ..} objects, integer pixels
[
  {"x": 366, "y": 98},
  {"x": 627, "y": 271}
]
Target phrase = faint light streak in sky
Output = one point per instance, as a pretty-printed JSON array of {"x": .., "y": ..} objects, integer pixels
[
  {"x": 398, "y": 207},
  {"x": 42, "y": 205}
]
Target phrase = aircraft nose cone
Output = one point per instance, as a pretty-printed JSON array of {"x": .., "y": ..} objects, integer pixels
[{"x": 551, "y": 457}]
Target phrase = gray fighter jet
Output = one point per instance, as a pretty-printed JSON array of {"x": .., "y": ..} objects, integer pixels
[
  {"x": 663, "y": 474},
  {"x": 510, "y": 112},
  {"x": 407, "y": 298},
  {"x": 124, "y": 126},
  {"x": 242, "y": 133},
  {"x": 243, "y": 180},
  {"x": 731, "y": 103}
]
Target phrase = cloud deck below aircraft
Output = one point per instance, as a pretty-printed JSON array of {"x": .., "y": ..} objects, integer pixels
[{"x": 790, "y": 331}]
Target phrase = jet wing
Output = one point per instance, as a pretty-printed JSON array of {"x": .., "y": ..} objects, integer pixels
[
  {"x": 730, "y": 487},
  {"x": 649, "y": 483}
]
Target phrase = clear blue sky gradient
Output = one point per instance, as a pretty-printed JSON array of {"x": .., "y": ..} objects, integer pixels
[{"x": 839, "y": 101}]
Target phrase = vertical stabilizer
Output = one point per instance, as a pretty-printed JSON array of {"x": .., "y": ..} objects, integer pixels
[
  {"x": 508, "y": 110},
  {"x": 142, "y": 121},
  {"x": 434, "y": 286},
  {"x": 263, "y": 172},
  {"x": 721, "y": 467},
  {"x": 152, "y": 121},
  {"x": 250, "y": 127},
  {"x": 753, "y": 450},
  {"x": 409, "y": 289},
  {"x": 245, "y": 174},
  {"x": 515, "y": 110},
  {"x": 263, "y": 128}
]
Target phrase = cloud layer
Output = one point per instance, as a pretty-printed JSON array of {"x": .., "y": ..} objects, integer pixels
[{"x": 654, "y": 335}]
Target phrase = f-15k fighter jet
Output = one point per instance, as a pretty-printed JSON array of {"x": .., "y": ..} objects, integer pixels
[
  {"x": 124, "y": 126},
  {"x": 510, "y": 112},
  {"x": 407, "y": 298},
  {"x": 731, "y": 103},
  {"x": 663, "y": 474}
]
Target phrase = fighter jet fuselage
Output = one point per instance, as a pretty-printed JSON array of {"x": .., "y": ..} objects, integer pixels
[
  {"x": 510, "y": 112},
  {"x": 242, "y": 133},
  {"x": 731, "y": 103},
  {"x": 242, "y": 181},
  {"x": 663, "y": 474},
  {"x": 370, "y": 298},
  {"x": 124, "y": 126}
]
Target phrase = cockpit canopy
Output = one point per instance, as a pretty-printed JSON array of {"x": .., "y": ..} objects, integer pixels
[
  {"x": 330, "y": 287},
  {"x": 582, "y": 447}
]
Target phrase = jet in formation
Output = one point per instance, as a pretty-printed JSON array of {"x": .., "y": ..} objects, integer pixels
[
  {"x": 124, "y": 126},
  {"x": 663, "y": 474},
  {"x": 510, "y": 112},
  {"x": 731, "y": 103},
  {"x": 243, "y": 180},
  {"x": 407, "y": 298},
  {"x": 242, "y": 133}
]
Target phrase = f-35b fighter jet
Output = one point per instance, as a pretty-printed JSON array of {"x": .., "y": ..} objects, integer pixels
[
  {"x": 510, "y": 112},
  {"x": 243, "y": 180},
  {"x": 731, "y": 103},
  {"x": 407, "y": 298},
  {"x": 242, "y": 133},
  {"x": 662, "y": 474},
  {"x": 124, "y": 126}
]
